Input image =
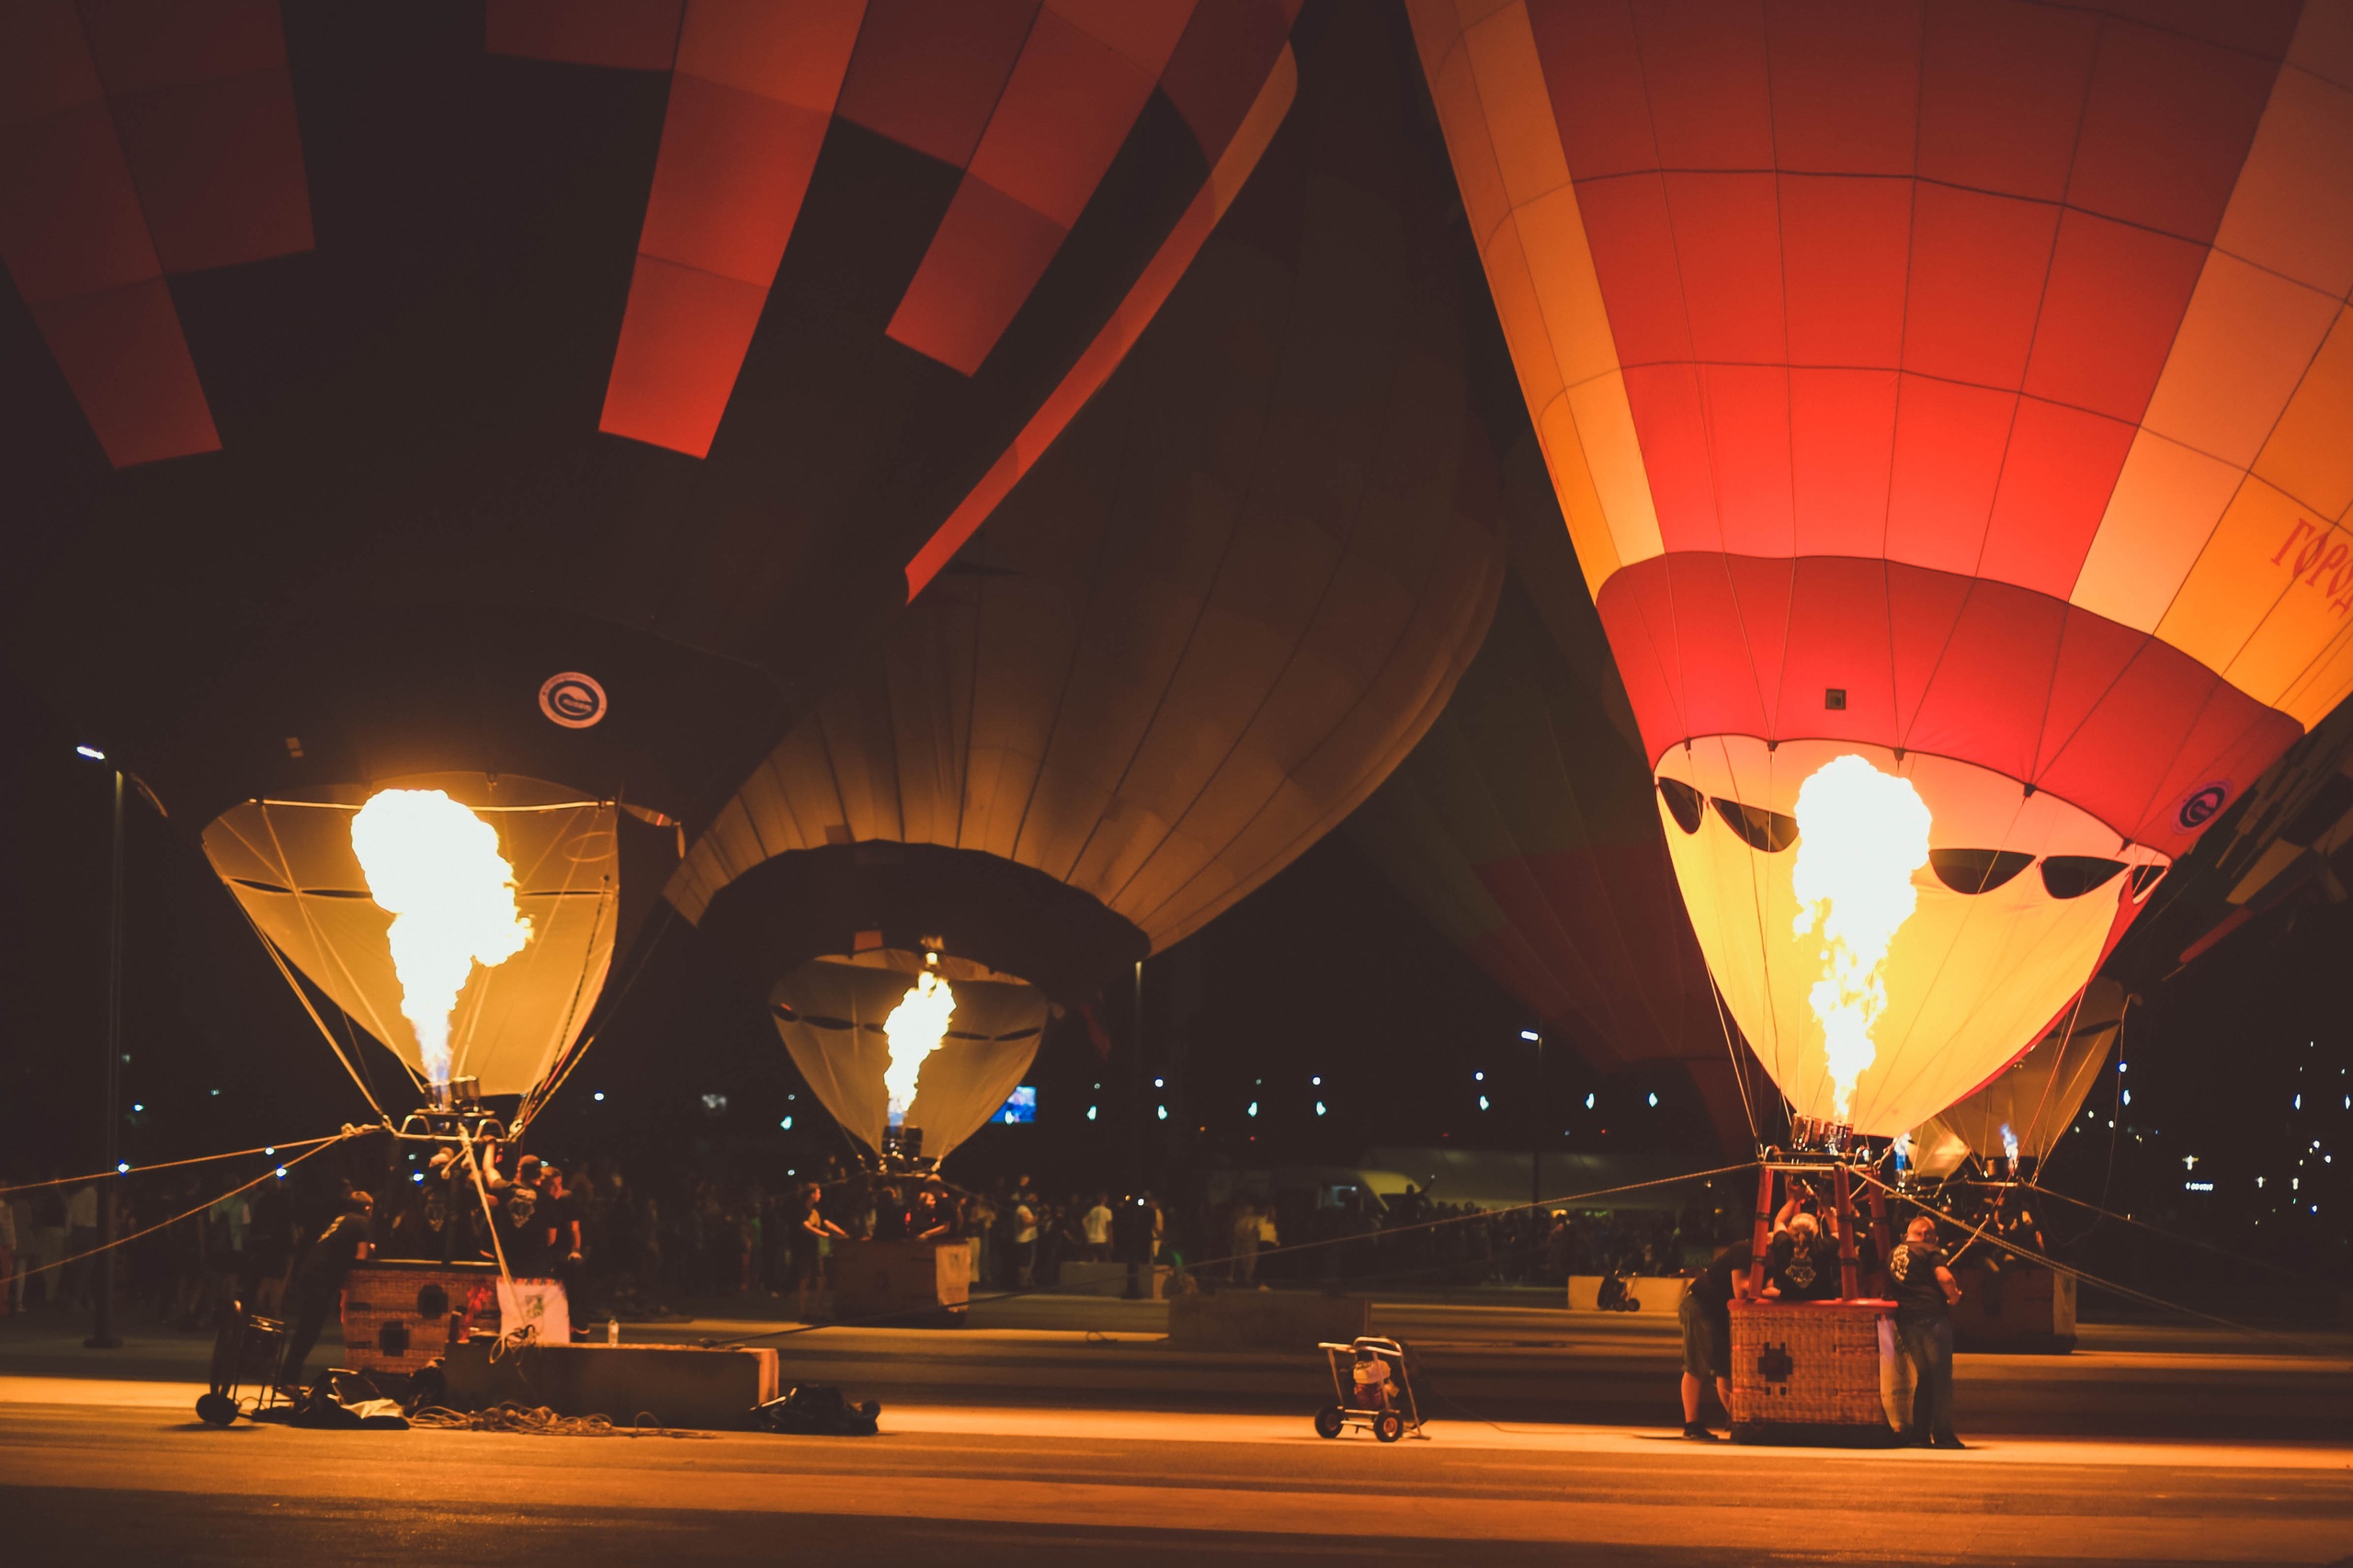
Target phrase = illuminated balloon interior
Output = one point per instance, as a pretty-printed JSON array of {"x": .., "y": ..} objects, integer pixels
[
  {"x": 435, "y": 866},
  {"x": 915, "y": 1029},
  {"x": 1861, "y": 834}
]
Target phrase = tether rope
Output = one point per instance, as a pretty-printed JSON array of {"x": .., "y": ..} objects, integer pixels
[
  {"x": 171, "y": 1165},
  {"x": 162, "y": 1225},
  {"x": 2175, "y": 1236},
  {"x": 2085, "y": 1276}
]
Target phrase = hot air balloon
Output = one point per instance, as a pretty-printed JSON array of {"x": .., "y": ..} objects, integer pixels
[
  {"x": 1947, "y": 406},
  {"x": 1522, "y": 827},
  {"x": 1202, "y": 629},
  {"x": 2021, "y": 1115},
  {"x": 526, "y": 405},
  {"x": 889, "y": 1041}
]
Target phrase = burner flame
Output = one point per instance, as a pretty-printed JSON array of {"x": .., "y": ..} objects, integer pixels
[
  {"x": 435, "y": 866},
  {"x": 915, "y": 1029},
  {"x": 1861, "y": 834}
]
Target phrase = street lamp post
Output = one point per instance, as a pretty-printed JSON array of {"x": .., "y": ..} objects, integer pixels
[
  {"x": 102, "y": 1334},
  {"x": 1536, "y": 1129}
]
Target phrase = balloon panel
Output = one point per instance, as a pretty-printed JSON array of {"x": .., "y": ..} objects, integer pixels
[
  {"x": 290, "y": 867},
  {"x": 1960, "y": 381},
  {"x": 1217, "y": 610},
  {"x": 831, "y": 1014}
]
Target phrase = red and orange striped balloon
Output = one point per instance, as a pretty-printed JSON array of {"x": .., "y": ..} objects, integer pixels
[{"x": 1962, "y": 386}]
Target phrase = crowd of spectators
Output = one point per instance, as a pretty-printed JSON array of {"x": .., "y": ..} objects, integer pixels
[{"x": 633, "y": 1250}]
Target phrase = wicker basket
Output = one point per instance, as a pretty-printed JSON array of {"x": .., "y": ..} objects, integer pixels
[
  {"x": 401, "y": 1317},
  {"x": 1813, "y": 1372}
]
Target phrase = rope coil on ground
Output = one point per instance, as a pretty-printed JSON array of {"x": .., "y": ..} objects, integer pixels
[{"x": 539, "y": 1421}]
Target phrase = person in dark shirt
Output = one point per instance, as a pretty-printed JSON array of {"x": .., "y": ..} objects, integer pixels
[
  {"x": 526, "y": 1239},
  {"x": 318, "y": 1281},
  {"x": 1802, "y": 1262},
  {"x": 1924, "y": 1289},
  {"x": 1706, "y": 1313},
  {"x": 890, "y": 1214},
  {"x": 559, "y": 1211}
]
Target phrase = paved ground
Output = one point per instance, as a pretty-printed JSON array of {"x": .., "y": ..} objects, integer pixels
[
  {"x": 99, "y": 1471},
  {"x": 1072, "y": 1433}
]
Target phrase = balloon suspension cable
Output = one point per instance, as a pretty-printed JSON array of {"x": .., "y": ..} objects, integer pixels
[
  {"x": 2066, "y": 1037},
  {"x": 273, "y": 1175},
  {"x": 359, "y": 1076},
  {"x": 325, "y": 1033},
  {"x": 1293, "y": 1250},
  {"x": 543, "y": 1091},
  {"x": 482, "y": 1190},
  {"x": 1733, "y": 1052},
  {"x": 173, "y": 1164},
  {"x": 2087, "y": 1278}
]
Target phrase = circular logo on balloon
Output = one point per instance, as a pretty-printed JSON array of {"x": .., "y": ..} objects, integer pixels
[
  {"x": 2203, "y": 802},
  {"x": 572, "y": 700}
]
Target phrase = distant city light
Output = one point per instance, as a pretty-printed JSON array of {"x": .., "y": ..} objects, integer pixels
[
  {"x": 1090, "y": 1113},
  {"x": 2127, "y": 1096},
  {"x": 1164, "y": 1113},
  {"x": 1478, "y": 1077},
  {"x": 281, "y": 1173},
  {"x": 1653, "y": 1099},
  {"x": 269, "y": 1151},
  {"x": 1319, "y": 1107},
  {"x": 216, "y": 1094},
  {"x": 1588, "y": 1102},
  {"x": 1253, "y": 1111},
  {"x": 93, "y": 753},
  {"x": 786, "y": 1124},
  {"x": 1316, "y": 1083},
  {"x": 1483, "y": 1102},
  {"x": 599, "y": 1095},
  {"x": 416, "y": 1176},
  {"x": 123, "y": 1168},
  {"x": 1530, "y": 1034},
  {"x": 2300, "y": 1102},
  {"x": 137, "y": 1106},
  {"x": 1160, "y": 1083}
]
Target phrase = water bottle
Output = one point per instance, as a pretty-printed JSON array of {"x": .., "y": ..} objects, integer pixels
[{"x": 612, "y": 1331}]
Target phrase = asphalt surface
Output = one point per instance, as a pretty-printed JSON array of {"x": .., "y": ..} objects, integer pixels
[
  {"x": 1058, "y": 1431},
  {"x": 95, "y": 1470}
]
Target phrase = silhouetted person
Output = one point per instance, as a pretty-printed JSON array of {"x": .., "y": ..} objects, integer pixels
[
  {"x": 318, "y": 1281},
  {"x": 1924, "y": 1291},
  {"x": 1706, "y": 1313}
]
